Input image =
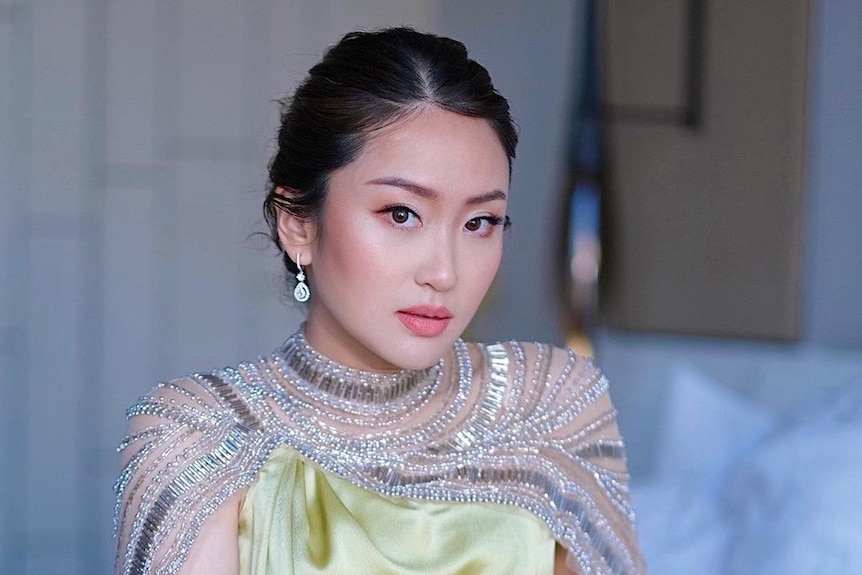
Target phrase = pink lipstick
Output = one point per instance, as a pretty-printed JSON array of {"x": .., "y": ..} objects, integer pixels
[{"x": 425, "y": 320}]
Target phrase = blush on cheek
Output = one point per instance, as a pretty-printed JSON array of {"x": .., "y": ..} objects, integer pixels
[
  {"x": 486, "y": 274},
  {"x": 344, "y": 246}
]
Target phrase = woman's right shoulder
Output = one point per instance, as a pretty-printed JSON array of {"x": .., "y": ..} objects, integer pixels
[
  {"x": 182, "y": 391},
  {"x": 186, "y": 390},
  {"x": 199, "y": 401},
  {"x": 190, "y": 449}
]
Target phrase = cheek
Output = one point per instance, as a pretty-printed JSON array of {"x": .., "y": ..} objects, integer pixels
[
  {"x": 484, "y": 269},
  {"x": 352, "y": 251}
]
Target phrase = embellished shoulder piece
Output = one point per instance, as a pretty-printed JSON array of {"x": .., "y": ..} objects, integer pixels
[
  {"x": 516, "y": 424},
  {"x": 190, "y": 446},
  {"x": 564, "y": 458}
]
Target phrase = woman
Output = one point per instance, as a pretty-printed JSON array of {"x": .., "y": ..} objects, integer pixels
[{"x": 375, "y": 440}]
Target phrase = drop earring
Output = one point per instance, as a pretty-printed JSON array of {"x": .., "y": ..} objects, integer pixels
[{"x": 301, "y": 293}]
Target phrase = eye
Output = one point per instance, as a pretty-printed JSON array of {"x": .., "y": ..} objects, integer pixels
[
  {"x": 484, "y": 225},
  {"x": 401, "y": 216}
]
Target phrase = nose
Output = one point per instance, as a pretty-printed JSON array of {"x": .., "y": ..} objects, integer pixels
[{"x": 437, "y": 264}]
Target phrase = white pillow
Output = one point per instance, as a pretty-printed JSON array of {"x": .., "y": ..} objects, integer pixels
[
  {"x": 682, "y": 526},
  {"x": 796, "y": 502},
  {"x": 706, "y": 429}
]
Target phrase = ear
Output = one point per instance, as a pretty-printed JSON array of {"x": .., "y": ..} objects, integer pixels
[{"x": 295, "y": 233}]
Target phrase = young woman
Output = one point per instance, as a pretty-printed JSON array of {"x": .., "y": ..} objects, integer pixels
[{"x": 375, "y": 440}]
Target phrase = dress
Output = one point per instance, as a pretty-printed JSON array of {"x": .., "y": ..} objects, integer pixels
[{"x": 475, "y": 465}]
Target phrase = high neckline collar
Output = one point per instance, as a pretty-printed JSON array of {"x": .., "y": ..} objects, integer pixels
[{"x": 350, "y": 383}]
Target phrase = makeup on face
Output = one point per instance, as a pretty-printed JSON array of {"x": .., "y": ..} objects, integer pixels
[
  {"x": 425, "y": 320},
  {"x": 413, "y": 238}
]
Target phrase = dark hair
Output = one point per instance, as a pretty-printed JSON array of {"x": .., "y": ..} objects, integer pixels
[{"x": 366, "y": 81}]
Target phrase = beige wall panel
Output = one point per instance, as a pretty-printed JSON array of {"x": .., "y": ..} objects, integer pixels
[
  {"x": 647, "y": 49},
  {"x": 705, "y": 223}
]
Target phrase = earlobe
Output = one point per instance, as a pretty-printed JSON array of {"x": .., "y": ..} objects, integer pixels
[{"x": 295, "y": 233}]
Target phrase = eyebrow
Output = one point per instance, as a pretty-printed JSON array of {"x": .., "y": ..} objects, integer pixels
[{"x": 430, "y": 194}]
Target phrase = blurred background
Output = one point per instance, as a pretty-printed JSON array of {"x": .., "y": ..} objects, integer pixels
[{"x": 719, "y": 145}]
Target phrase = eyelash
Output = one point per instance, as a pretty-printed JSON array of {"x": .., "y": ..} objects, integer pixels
[
  {"x": 493, "y": 221},
  {"x": 497, "y": 221}
]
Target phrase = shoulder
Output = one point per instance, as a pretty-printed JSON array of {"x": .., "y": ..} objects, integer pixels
[
  {"x": 183, "y": 401},
  {"x": 200, "y": 400},
  {"x": 542, "y": 366},
  {"x": 549, "y": 387},
  {"x": 558, "y": 407},
  {"x": 188, "y": 450}
]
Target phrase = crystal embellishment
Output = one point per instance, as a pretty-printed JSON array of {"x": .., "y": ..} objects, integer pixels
[{"x": 301, "y": 293}]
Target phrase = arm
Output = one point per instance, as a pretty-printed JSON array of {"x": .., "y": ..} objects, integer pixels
[
  {"x": 560, "y": 567},
  {"x": 215, "y": 552}
]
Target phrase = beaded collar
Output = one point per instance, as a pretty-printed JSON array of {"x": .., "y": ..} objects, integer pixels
[{"x": 349, "y": 384}]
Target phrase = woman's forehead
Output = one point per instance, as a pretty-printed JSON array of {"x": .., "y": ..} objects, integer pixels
[{"x": 436, "y": 147}]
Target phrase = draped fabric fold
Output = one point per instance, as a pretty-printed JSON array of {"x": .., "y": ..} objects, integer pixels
[{"x": 299, "y": 519}]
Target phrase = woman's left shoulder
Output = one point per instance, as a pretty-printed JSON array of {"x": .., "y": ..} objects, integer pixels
[
  {"x": 547, "y": 385},
  {"x": 544, "y": 366}
]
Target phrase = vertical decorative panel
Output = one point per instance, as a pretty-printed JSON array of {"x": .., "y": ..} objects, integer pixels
[
  {"x": 129, "y": 365},
  {"x": 15, "y": 117},
  {"x": 9, "y": 197},
  {"x": 55, "y": 408},
  {"x": 207, "y": 252},
  {"x": 131, "y": 75},
  {"x": 211, "y": 79},
  {"x": 59, "y": 161}
]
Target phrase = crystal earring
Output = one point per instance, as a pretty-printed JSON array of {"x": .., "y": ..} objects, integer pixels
[{"x": 301, "y": 293}]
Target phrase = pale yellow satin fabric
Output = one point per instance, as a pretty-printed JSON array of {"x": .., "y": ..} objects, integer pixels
[{"x": 299, "y": 520}]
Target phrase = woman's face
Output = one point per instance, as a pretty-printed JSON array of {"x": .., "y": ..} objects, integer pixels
[{"x": 411, "y": 239}]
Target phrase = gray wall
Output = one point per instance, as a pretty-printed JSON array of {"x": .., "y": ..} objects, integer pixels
[{"x": 834, "y": 279}]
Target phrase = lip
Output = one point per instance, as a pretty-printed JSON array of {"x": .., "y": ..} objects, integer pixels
[{"x": 425, "y": 320}]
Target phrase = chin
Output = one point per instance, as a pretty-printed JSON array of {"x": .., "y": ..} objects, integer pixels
[{"x": 423, "y": 354}]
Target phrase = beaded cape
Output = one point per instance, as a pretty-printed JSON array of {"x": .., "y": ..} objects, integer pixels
[{"x": 517, "y": 424}]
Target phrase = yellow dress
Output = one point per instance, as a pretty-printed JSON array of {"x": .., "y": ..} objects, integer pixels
[{"x": 298, "y": 519}]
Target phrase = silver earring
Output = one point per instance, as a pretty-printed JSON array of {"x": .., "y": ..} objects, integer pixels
[{"x": 301, "y": 293}]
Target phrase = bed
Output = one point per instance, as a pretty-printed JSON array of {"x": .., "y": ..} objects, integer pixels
[{"x": 739, "y": 486}]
